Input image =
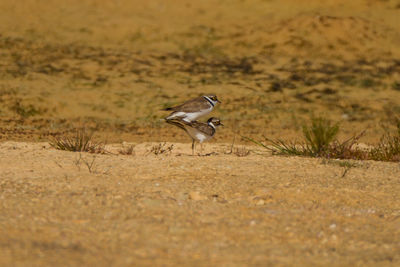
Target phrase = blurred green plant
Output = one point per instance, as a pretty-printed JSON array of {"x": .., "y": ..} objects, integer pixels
[
  {"x": 319, "y": 140},
  {"x": 25, "y": 111}
]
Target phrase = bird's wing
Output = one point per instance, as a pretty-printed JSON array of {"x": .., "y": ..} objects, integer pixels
[
  {"x": 192, "y": 105},
  {"x": 202, "y": 127}
]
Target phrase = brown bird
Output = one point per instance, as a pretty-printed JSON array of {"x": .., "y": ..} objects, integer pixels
[
  {"x": 198, "y": 131},
  {"x": 194, "y": 108}
]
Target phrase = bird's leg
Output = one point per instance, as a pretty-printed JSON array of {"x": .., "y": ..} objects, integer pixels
[
  {"x": 192, "y": 147},
  {"x": 201, "y": 148}
]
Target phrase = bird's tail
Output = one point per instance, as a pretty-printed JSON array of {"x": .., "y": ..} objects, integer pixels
[{"x": 177, "y": 123}]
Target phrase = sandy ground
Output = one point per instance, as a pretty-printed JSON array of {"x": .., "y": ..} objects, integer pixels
[
  {"x": 111, "y": 66},
  {"x": 62, "y": 208}
]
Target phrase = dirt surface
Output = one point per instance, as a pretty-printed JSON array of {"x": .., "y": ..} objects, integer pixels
[
  {"x": 62, "y": 208},
  {"x": 112, "y": 65}
]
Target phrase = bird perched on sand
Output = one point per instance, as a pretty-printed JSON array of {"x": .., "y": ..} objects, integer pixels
[
  {"x": 193, "y": 109},
  {"x": 198, "y": 131}
]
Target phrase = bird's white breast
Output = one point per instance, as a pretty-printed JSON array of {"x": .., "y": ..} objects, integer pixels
[
  {"x": 199, "y": 136},
  {"x": 202, "y": 137},
  {"x": 189, "y": 117}
]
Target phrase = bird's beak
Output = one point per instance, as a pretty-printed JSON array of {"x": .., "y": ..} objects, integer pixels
[
  {"x": 221, "y": 124},
  {"x": 218, "y": 101}
]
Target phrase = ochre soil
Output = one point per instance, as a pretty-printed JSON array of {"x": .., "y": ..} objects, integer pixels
[
  {"x": 111, "y": 66},
  {"x": 62, "y": 208}
]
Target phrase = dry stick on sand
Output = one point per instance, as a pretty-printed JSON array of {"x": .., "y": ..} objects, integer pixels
[{"x": 233, "y": 142}]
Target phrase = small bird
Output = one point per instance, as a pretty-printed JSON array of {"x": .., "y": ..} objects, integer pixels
[
  {"x": 194, "y": 108},
  {"x": 198, "y": 131}
]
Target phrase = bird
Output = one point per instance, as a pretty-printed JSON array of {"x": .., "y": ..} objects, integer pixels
[
  {"x": 198, "y": 131},
  {"x": 193, "y": 109}
]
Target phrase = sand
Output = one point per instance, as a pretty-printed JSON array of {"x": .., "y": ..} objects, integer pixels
[
  {"x": 68, "y": 208},
  {"x": 111, "y": 66}
]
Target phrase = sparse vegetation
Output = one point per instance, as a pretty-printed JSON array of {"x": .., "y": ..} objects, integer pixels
[
  {"x": 345, "y": 164},
  {"x": 388, "y": 148},
  {"x": 341, "y": 163},
  {"x": 80, "y": 141},
  {"x": 127, "y": 150},
  {"x": 91, "y": 164},
  {"x": 25, "y": 110},
  {"x": 396, "y": 86},
  {"x": 367, "y": 83},
  {"x": 161, "y": 148},
  {"x": 241, "y": 151},
  {"x": 320, "y": 141},
  {"x": 238, "y": 151},
  {"x": 320, "y": 135}
]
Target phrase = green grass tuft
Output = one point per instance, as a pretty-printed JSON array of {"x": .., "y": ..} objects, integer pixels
[
  {"x": 319, "y": 140},
  {"x": 319, "y": 136}
]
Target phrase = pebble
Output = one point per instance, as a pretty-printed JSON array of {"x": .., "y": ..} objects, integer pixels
[
  {"x": 260, "y": 202},
  {"x": 196, "y": 196}
]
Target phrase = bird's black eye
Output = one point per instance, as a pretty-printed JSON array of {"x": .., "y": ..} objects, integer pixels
[{"x": 214, "y": 98}]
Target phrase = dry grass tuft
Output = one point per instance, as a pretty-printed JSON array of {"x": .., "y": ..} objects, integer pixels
[
  {"x": 127, "y": 150},
  {"x": 161, "y": 148},
  {"x": 240, "y": 152},
  {"x": 81, "y": 141},
  {"x": 388, "y": 148}
]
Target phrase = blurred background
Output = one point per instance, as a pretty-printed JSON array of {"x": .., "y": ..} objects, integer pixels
[{"x": 113, "y": 65}]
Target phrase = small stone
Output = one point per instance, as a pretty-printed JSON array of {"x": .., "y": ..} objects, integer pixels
[
  {"x": 260, "y": 202},
  {"x": 196, "y": 196},
  {"x": 181, "y": 196},
  {"x": 152, "y": 202}
]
